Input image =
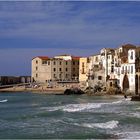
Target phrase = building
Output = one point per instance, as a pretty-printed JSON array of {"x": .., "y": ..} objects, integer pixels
[
  {"x": 137, "y": 70},
  {"x": 118, "y": 67},
  {"x": 121, "y": 68},
  {"x": 83, "y": 71},
  {"x": 8, "y": 80},
  {"x": 58, "y": 68},
  {"x": 96, "y": 71}
]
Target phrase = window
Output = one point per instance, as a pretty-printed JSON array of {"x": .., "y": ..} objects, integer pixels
[
  {"x": 44, "y": 62},
  {"x": 36, "y": 62},
  {"x": 131, "y": 69},
  {"x": 96, "y": 59},
  {"x": 54, "y": 69},
  {"x": 36, "y": 68},
  {"x": 66, "y": 75},
  {"x": 122, "y": 70},
  {"x": 66, "y": 69},
  {"x": 112, "y": 69},
  {"x": 48, "y": 62},
  {"x": 92, "y": 77},
  {"x": 83, "y": 69},
  {"x": 131, "y": 57},
  {"x": 36, "y": 75},
  {"x": 110, "y": 84},
  {"x": 60, "y": 76},
  {"x": 125, "y": 68},
  {"x": 118, "y": 71},
  {"x": 54, "y": 62},
  {"x": 60, "y": 69},
  {"x": 54, "y": 76},
  {"x": 60, "y": 62},
  {"x": 128, "y": 69},
  {"x": 78, "y": 62},
  {"x": 99, "y": 77},
  {"x": 66, "y": 63},
  {"x": 73, "y": 63}
]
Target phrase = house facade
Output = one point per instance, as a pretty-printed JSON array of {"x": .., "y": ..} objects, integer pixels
[
  {"x": 59, "y": 68},
  {"x": 118, "y": 67}
]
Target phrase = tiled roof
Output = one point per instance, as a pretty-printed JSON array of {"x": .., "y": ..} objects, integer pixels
[
  {"x": 76, "y": 57},
  {"x": 42, "y": 57}
]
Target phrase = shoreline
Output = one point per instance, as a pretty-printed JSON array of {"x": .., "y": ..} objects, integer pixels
[
  {"x": 34, "y": 90},
  {"x": 51, "y": 91}
]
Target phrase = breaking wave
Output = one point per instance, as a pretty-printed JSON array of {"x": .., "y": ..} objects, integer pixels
[
  {"x": 3, "y": 101},
  {"x": 107, "y": 125},
  {"x": 129, "y": 135},
  {"x": 136, "y": 114},
  {"x": 81, "y": 107}
]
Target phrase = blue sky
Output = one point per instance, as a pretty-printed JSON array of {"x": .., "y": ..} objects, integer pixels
[{"x": 28, "y": 29}]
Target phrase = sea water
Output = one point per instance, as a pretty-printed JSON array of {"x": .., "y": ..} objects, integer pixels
[{"x": 32, "y": 116}]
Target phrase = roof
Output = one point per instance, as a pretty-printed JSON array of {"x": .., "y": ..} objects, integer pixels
[
  {"x": 75, "y": 57},
  {"x": 42, "y": 57},
  {"x": 128, "y": 46}
]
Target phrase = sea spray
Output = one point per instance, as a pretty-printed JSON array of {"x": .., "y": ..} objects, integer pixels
[
  {"x": 107, "y": 125},
  {"x": 3, "y": 101}
]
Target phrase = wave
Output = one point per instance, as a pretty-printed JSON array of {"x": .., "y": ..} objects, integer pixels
[
  {"x": 3, "y": 101},
  {"x": 82, "y": 107},
  {"x": 87, "y": 106},
  {"x": 136, "y": 114},
  {"x": 129, "y": 135},
  {"x": 75, "y": 107},
  {"x": 107, "y": 125},
  {"x": 138, "y": 108}
]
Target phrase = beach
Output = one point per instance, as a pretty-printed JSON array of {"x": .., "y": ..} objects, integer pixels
[{"x": 41, "y": 89}]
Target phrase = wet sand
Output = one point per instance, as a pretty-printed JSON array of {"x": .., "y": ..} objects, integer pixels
[{"x": 57, "y": 90}]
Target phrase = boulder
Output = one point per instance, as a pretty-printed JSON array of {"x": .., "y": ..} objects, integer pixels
[
  {"x": 135, "y": 98},
  {"x": 75, "y": 91}
]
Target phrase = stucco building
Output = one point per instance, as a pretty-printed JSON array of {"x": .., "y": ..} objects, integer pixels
[
  {"x": 58, "y": 68},
  {"x": 83, "y": 70},
  {"x": 114, "y": 67}
]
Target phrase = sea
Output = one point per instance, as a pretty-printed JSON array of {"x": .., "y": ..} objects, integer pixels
[{"x": 39, "y": 116}]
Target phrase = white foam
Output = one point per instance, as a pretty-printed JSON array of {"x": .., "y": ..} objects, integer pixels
[
  {"x": 81, "y": 107},
  {"x": 3, "y": 101},
  {"x": 117, "y": 102},
  {"x": 107, "y": 125},
  {"x": 138, "y": 108},
  {"x": 54, "y": 108},
  {"x": 136, "y": 114},
  {"x": 74, "y": 107},
  {"x": 130, "y": 135}
]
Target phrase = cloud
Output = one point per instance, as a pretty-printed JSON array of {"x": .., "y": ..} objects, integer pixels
[
  {"x": 28, "y": 29},
  {"x": 80, "y": 24}
]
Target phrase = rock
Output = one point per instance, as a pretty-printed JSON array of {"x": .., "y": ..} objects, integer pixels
[
  {"x": 75, "y": 91},
  {"x": 135, "y": 98}
]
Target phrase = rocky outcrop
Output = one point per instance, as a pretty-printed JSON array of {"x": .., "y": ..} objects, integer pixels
[
  {"x": 135, "y": 98},
  {"x": 75, "y": 91}
]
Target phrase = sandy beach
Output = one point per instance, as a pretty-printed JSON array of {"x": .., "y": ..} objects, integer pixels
[{"x": 41, "y": 89}]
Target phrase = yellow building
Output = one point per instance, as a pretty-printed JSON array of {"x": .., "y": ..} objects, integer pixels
[{"x": 83, "y": 70}]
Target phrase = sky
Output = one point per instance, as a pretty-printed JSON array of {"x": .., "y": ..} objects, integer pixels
[{"x": 48, "y": 28}]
